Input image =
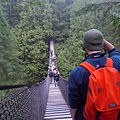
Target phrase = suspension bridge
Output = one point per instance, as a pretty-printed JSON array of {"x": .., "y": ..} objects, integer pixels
[{"x": 40, "y": 101}]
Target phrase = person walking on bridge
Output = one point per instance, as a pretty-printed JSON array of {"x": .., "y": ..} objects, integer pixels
[
  {"x": 56, "y": 76},
  {"x": 93, "y": 43}
]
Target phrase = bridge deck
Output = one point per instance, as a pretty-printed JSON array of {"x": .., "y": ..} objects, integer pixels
[{"x": 56, "y": 109}]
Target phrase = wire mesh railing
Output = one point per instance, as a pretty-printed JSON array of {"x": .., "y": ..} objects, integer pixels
[
  {"x": 26, "y": 103},
  {"x": 63, "y": 84}
]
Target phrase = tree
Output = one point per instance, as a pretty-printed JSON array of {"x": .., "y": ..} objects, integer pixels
[
  {"x": 107, "y": 18},
  {"x": 31, "y": 33},
  {"x": 8, "y": 56}
]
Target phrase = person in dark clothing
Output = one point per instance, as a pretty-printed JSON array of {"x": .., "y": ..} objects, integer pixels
[
  {"x": 56, "y": 77},
  {"x": 51, "y": 52},
  {"x": 93, "y": 43}
]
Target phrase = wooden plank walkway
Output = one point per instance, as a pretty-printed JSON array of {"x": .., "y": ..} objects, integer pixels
[{"x": 56, "y": 108}]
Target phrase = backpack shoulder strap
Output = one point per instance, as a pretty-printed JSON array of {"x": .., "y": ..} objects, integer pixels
[
  {"x": 91, "y": 68},
  {"x": 88, "y": 66},
  {"x": 109, "y": 62}
]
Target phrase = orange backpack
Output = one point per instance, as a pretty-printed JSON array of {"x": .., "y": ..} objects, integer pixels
[{"x": 103, "y": 96}]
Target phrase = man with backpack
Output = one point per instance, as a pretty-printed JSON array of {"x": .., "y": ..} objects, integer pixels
[{"x": 94, "y": 85}]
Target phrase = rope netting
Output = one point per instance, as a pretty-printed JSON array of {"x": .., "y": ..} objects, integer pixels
[{"x": 27, "y": 103}]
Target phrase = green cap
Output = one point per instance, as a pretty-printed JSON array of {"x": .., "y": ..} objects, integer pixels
[{"x": 93, "y": 40}]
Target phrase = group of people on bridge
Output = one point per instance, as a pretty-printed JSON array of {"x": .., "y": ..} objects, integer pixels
[
  {"x": 53, "y": 71},
  {"x": 54, "y": 75}
]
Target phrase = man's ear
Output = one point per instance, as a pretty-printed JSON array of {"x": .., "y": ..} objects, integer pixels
[{"x": 83, "y": 48}]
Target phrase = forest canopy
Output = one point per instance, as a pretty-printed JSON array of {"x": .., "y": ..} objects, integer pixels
[{"x": 27, "y": 26}]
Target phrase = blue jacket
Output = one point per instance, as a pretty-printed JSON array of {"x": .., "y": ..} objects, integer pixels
[{"x": 78, "y": 80}]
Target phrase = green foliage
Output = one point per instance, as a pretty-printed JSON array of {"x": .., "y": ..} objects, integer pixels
[
  {"x": 31, "y": 35},
  {"x": 104, "y": 16},
  {"x": 115, "y": 20},
  {"x": 8, "y": 56},
  {"x": 69, "y": 55},
  {"x": 61, "y": 18}
]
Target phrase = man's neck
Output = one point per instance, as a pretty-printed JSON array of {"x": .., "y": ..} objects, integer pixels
[{"x": 91, "y": 52}]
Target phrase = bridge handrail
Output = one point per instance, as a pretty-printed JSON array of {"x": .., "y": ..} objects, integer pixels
[
  {"x": 26, "y": 103},
  {"x": 6, "y": 87},
  {"x": 63, "y": 84}
]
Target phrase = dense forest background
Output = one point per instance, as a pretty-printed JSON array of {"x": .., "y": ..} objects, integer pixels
[{"x": 27, "y": 26}]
